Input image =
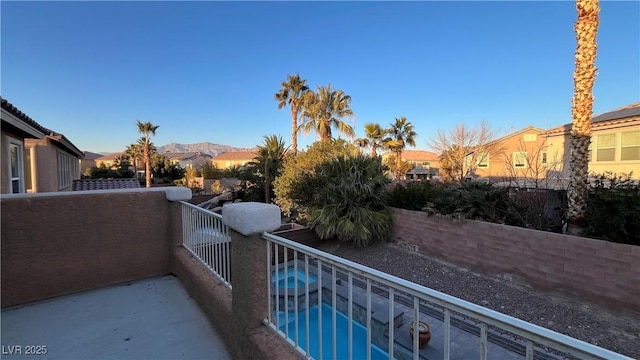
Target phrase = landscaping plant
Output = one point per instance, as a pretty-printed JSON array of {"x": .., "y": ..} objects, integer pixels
[{"x": 349, "y": 201}]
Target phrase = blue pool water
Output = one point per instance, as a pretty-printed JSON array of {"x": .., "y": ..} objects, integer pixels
[
  {"x": 288, "y": 278},
  {"x": 342, "y": 335}
]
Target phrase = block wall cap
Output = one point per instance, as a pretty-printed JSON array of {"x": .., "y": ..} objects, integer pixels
[
  {"x": 178, "y": 193},
  {"x": 250, "y": 218}
]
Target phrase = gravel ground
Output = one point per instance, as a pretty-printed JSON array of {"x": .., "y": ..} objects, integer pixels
[{"x": 609, "y": 328}]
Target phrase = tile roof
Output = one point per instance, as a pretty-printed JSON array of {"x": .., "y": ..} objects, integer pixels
[
  {"x": 421, "y": 155},
  {"x": 620, "y": 113},
  {"x": 88, "y": 155},
  {"x": 105, "y": 184},
  {"x": 111, "y": 156},
  {"x": 415, "y": 155},
  {"x": 623, "y": 114},
  {"x": 184, "y": 155},
  {"x": 22, "y": 116},
  {"x": 236, "y": 155},
  {"x": 44, "y": 132}
]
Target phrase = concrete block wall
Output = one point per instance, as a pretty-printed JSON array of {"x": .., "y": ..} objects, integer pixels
[{"x": 598, "y": 270}]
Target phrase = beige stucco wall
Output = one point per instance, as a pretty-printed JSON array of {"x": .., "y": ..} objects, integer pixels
[
  {"x": 44, "y": 173},
  {"x": 559, "y": 143},
  {"x": 225, "y": 164},
  {"x": 60, "y": 243},
  {"x": 501, "y": 158}
]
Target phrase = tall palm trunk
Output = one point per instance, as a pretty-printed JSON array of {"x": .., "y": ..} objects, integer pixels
[
  {"x": 147, "y": 166},
  {"x": 582, "y": 111},
  {"x": 326, "y": 135},
  {"x": 294, "y": 129}
]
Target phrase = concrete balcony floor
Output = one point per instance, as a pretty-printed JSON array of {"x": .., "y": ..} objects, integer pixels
[{"x": 146, "y": 319}]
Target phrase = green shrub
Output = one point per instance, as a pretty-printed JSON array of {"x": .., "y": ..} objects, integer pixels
[
  {"x": 613, "y": 209},
  {"x": 348, "y": 201},
  {"x": 303, "y": 164}
]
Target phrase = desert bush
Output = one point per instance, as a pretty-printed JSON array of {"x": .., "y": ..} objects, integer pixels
[
  {"x": 613, "y": 208},
  {"x": 302, "y": 164},
  {"x": 348, "y": 201},
  {"x": 470, "y": 200}
]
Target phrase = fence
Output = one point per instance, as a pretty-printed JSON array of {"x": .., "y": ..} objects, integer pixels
[
  {"x": 316, "y": 301},
  {"x": 207, "y": 238}
]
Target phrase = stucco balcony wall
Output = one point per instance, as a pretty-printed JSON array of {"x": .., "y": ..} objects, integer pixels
[{"x": 55, "y": 244}]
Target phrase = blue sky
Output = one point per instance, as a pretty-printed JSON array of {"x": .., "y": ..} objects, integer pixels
[{"x": 207, "y": 71}]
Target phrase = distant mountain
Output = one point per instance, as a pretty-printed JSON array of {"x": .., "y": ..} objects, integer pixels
[{"x": 205, "y": 148}]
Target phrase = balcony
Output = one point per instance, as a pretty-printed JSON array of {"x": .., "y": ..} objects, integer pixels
[{"x": 141, "y": 274}]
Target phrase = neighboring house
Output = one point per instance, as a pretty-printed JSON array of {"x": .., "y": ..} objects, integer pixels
[
  {"x": 521, "y": 154},
  {"x": 425, "y": 163},
  {"x": 34, "y": 158},
  {"x": 233, "y": 158},
  {"x": 108, "y": 160},
  {"x": 615, "y": 143},
  {"x": 88, "y": 161},
  {"x": 189, "y": 159}
]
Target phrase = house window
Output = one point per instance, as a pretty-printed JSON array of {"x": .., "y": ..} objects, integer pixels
[
  {"x": 606, "y": 147},
  {"x": 65, "y": 168},
  {"x": 630, "y": 146},
  {"x": 520, "y": 159},
  {"x": 16, "y": 176},
  {"x": 483, "y": 161},
  {"x": 530, "y": 137},
  {"x": 543, "y": 158},
  {"x": 426, "y": 163},
  {"x": 589, "y": 151}
]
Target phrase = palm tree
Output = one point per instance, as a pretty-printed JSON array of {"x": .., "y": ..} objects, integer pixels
[
  {"x": 374, "y": 138},
  {"x": 291, "y": 93},
  {"x": 324, "y": 110},
  {"x": 271, "y": 155},
  {"x": 147, "y": 130},
  {"x": 134, "y": 152},
  {"x": 582, "y": 111},
  {"x": 401, "y": 134},
  {"x": 349, "y": 200}
]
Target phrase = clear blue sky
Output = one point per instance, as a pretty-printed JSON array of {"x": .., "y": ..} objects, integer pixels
[{"x": 207, "y": 71}]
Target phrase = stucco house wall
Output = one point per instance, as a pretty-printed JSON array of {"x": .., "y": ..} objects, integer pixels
[
  {"x": 47, "y": 161},
  {"x": 522, "y": 154},
  {"x": 619, "y": 126}
]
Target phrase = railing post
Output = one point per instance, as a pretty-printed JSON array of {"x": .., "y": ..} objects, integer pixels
[{"x": 247, "y": 221}]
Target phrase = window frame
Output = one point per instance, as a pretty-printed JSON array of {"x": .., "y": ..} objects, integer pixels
[
  {"x": 629, "y": 146},
  {"x": 598, "y": 147},
  {"x": 65, "y": 170},
  {"x": 13, "y": 143},
  {"x": 524, "y": 156},
  {"x": 483, "y": 156}
]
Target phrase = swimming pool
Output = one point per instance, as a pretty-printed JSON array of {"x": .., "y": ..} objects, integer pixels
[
  {"x": 288, "y": 278},
  {"x": 359, "y": 335}
]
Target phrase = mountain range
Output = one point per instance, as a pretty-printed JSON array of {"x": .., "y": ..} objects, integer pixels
[{"x": 205, "y": 148}]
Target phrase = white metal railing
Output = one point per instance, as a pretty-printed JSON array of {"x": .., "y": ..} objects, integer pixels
[
  {"x": 320, "y": 280},
  {"x": 207, "y": 238}
]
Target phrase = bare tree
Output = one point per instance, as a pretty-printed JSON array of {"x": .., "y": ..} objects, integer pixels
[
  {"x": 463, "y": 148},
  {"x": 543, "y": 203},
  {"x": 537, "y": 168}
]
